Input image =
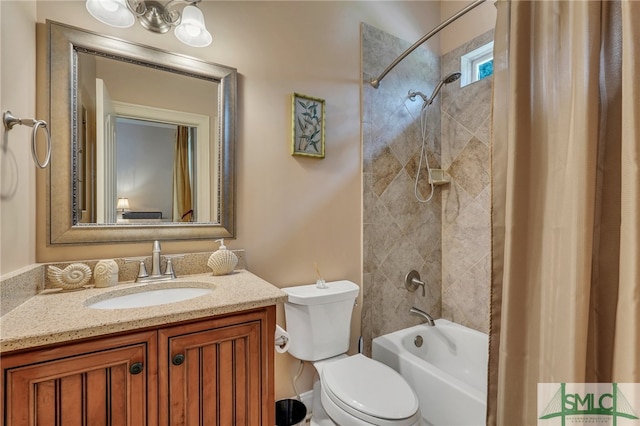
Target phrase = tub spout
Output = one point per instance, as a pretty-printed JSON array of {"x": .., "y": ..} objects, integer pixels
[{"x": 423, "y": 314}]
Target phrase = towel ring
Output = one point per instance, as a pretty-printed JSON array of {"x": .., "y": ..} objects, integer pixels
[
  {"x": 36, "y": 126},
  {"x": 10, "y": 121}
]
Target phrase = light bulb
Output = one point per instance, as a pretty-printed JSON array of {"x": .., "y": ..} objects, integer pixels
[
  {"x": 192, "y": 30},
  {"x": 110, "y": 5}
]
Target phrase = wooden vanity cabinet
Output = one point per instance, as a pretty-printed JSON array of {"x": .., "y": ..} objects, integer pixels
[
  {"x": 109, "y": 381},
  {"x": 218, "y": 372},
  {"x": 215, "y": 371}
]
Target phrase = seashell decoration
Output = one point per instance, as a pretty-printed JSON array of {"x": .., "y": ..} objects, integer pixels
[
  {"x": 222, "y": 262},
  {"x": 106, "y": 273},
  {"x": 72, "y": 277}
]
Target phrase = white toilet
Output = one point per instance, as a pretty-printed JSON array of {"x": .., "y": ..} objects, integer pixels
[{"x": 352, "y": 390}]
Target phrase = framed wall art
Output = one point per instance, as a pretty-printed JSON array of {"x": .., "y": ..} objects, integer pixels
[{"x": 307, "y": 127}]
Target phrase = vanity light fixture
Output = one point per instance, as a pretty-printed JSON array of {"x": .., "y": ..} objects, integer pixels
[{"x": 156, "y": 17}]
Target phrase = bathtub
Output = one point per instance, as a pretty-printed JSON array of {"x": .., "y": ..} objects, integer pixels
[{"x": 448, "y": 371}]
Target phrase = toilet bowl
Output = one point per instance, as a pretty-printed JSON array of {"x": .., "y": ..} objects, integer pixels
[
  {"x": 357, "y": 390},
  {"x": 350, "y": 390}
]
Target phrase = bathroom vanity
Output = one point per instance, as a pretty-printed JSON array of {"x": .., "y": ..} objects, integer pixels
[{"x": 206, "y": 360}]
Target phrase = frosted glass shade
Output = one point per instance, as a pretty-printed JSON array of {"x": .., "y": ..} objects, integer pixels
[
  {"x": 111, "y": 12},
  {"x": 192, "y": 30}
]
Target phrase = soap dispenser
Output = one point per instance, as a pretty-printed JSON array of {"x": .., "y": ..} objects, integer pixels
[{"x": 222, "y": 261}]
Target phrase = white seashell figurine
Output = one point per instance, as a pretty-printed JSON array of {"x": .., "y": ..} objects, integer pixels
[
  {"x": 106, "y": 273},
  {"x": 72, "y": 277},
  {"x": 222, "y": 261}
]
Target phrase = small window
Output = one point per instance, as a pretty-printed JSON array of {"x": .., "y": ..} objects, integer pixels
[
  {"x": 485, "y": 69},
  {"x": 477, "y": 64}
]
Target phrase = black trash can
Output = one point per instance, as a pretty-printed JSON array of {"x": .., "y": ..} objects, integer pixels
[{"x": 290, "y": 412}]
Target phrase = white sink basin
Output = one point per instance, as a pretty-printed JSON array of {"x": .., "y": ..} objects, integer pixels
[{"x": 149, "y": 297}]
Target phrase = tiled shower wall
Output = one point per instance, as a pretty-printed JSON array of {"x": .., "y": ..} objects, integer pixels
[
  {"x": 400, "y": 234},
  {"x": 466, "y": 202},
  {"x": 447, "y": 240}
]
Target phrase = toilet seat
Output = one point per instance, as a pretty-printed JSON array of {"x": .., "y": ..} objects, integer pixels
[{"x": 367, "y": 390}]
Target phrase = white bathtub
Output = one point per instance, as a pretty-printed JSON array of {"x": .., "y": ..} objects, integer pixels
[{"x": 448, "y": 372}]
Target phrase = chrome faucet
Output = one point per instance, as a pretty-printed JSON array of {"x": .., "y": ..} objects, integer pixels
[
  {"x": 155, "y": 259},
  {"x": 156, "y": 274},
  {"x": 423, "y": 314}
]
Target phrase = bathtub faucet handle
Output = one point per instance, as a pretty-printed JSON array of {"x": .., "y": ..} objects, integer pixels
[
  {"x": 420, "y": 283},
  {"x": 412, "y": 282}
]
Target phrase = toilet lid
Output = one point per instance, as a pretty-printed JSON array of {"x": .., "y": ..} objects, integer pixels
[{"x": 369, "y": 387}]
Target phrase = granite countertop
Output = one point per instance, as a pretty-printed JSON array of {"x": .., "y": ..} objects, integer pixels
[{"x": 56, "y": 317}]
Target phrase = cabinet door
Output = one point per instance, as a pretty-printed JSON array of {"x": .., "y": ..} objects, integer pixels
[
  {"x": 217, "y": 372},
  {"x": 103, "y": 382}
]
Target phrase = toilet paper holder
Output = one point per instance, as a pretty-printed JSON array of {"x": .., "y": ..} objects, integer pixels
[{"x": 282, "y": 340}]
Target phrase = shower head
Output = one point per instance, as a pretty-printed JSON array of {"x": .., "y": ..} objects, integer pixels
[
  {"x": 448, "y": 79},
  {"x": 451, "y": 77}
]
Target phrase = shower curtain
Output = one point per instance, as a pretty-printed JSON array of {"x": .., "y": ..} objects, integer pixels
[
  {"x": 565, "y": 302},
  {"x": 182, "y": 205}
]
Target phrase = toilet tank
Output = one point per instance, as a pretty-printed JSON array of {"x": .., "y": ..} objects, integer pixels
[{"x": 319, "y": 319}]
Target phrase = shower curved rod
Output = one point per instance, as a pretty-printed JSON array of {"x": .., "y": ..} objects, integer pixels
[{"x": 376, "y": 81}]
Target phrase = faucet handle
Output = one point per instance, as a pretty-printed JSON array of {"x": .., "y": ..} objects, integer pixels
[
  {"x": 168, "y": 270},
  {"x": 142, "y": 269},
  {"x": 420, "y": 283},
  {"x": 412, "y": 282}
]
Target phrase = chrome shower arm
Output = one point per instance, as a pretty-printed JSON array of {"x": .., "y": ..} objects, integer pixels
[{"x": 376, "y": 81}]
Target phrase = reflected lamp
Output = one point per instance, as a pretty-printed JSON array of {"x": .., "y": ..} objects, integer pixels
[{"x": 123, "y": 204}]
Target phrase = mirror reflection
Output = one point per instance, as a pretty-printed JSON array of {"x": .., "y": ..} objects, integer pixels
[
  {"x": 172, "y": 149},
  {"x": 146, "y": 137},
  {"x": 143, "y": 140}
]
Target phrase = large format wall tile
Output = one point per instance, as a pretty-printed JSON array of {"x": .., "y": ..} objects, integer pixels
[
  {"x": 465, "y": 242},
  {"x": 448, "y": 239},
  {"x": 471, "y": 168},
  {"x": 399, "y": 233},
  {"x": 466, "y": 219},
  {"x": 455, "y": 136}
]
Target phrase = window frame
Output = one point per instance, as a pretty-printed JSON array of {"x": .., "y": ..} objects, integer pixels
[{"x": 470, "y": 63}]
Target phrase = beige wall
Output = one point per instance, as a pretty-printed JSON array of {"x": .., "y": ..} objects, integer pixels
[
  {"x": 292, "y": 211},
  {"x": 476, "y": 22},
  {"x": 17, "y": 170},
  {"x": 258, "y": 54}
]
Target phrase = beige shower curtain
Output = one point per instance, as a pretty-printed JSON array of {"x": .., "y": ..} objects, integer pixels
[
  {"x": 182, "y": 204},
  {"x": 565, "y": 303}
]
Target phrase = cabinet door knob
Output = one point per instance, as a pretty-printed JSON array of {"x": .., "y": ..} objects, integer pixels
[
  {"x": 178, "y": 359},
  {"x": 136, "y": 368}
]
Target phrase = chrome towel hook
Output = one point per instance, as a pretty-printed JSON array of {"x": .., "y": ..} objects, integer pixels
[{"x": 10, "y": 121}]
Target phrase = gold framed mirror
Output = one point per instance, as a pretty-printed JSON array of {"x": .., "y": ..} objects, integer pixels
[{"x": 186, "y": 193}]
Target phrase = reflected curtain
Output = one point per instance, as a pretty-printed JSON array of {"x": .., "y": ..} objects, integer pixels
[
  {"x": 182, "y": 205},
  {"x": 565, "y": 302}
]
